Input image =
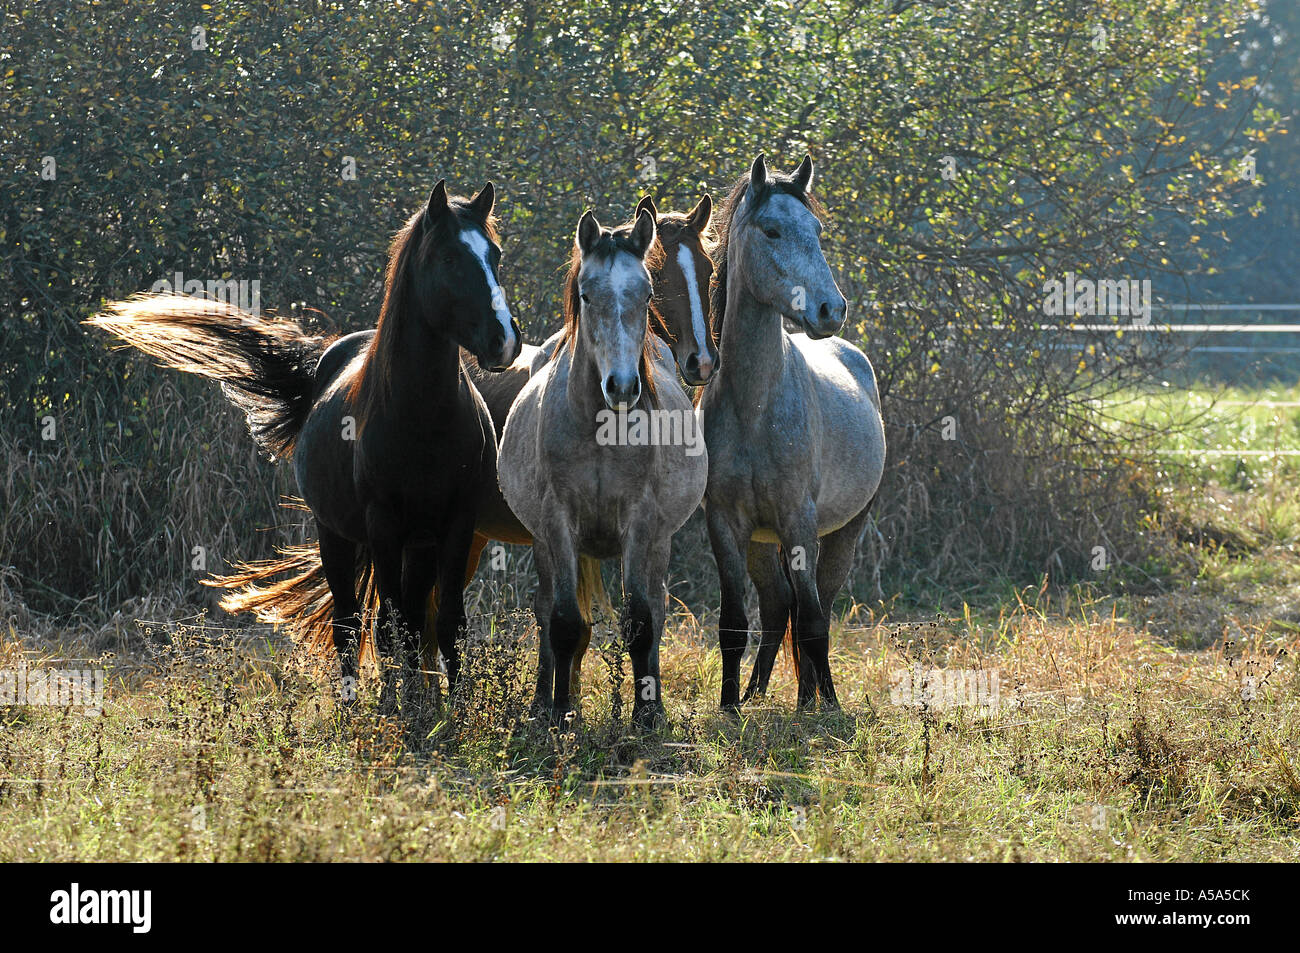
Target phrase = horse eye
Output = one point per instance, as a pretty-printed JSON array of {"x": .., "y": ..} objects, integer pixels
[
  {"x": 771, "y": 233},
  {"x": 585, "y": 300}
]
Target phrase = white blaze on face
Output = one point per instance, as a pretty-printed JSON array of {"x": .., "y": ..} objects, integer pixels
[
  {"x": 475, "y": 241},
  {"x": 686, "y": 261}
]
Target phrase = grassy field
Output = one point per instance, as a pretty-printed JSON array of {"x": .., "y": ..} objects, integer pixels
[{"x": 1154, "y": 723}]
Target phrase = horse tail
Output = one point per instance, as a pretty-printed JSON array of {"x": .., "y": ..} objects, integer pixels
[
  {"x": 267, "y": 368},
  {"x": 791, "y": 643},
  {"x": 292, "y": 590},
  {"x": 591, "y": 590}
]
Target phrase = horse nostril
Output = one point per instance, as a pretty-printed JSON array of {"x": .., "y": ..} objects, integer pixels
[
  {"x": 823, "y": 312},
  {"x": 625, "y": 391},
  {"x": 693, "y": 363}
]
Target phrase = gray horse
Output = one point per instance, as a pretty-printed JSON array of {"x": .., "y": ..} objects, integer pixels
[
  {"x": 601, "y": 459},
  {"x": 792, "y": 423}
]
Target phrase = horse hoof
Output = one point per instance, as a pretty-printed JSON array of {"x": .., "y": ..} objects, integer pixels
[{"x": 565, "y": 716}]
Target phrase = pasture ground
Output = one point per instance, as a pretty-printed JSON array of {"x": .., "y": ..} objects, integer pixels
[{"x": 1156, "y": 722}]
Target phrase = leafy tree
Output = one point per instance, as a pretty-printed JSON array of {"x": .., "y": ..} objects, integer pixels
[{"x": 968, "y": 151}]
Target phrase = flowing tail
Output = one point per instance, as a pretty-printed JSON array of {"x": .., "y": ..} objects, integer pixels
[
  {"x": 591, "y": 590},
  {"x": 791, "y": 642},
  {"x": 267, "y": 368},
  {"x": 293, "y": 591}
]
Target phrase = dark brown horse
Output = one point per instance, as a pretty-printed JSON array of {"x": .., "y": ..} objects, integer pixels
[
  {"x": 391, "y": 441},
  {"x": 292, "y": 590}
]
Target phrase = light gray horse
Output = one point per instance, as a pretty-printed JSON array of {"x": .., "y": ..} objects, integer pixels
[
  {"x": 601, "y": 459},
  {"x": 793, "y": 426}
]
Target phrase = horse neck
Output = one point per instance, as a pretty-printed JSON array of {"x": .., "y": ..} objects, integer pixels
[
  {"x": 424, "y": 366},
  {"x": 752, "y": 354},
  {"x": 583, "y": 386}
]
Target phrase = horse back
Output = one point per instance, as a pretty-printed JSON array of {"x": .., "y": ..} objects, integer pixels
[
  {"x": 339, "y": 355},
  {"x": 499, "y": 390}
]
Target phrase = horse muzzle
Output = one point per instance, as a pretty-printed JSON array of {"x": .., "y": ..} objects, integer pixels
[
  {"x": 827, "y": 321},
  {"x": 621, "y": 394},
  {"x": 698, "y": 370},
  {"x": 504, "y": 350}
]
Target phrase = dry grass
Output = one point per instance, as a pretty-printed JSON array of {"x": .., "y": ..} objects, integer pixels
[
  {"x": 1107, "y": 744},
  {"x": 1155, "y": 725}
]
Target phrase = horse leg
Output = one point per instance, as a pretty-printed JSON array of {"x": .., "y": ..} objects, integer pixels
[
  {"x": 419, "y": 568},
  {"x": 543, "y": 602},
  {"x": 730, "y": 543},
  {"x": 643, "y": 575},
  {"x": 575, "y": 667},
  {"x": 775, "y": 599},
  {"x": 429, "y": 635},
  {"x": 810, "y": 633},
  {"x": 386, "y": 556},
  {"x": 566, "y": 626},
  {"x": 833, "y": 564},
  {"x": 453, "y": 554},
  {"x": 338, "y": 557},
  {"x": 589, "y": 586}
]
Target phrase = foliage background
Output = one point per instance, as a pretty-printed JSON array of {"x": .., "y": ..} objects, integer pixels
[{"x": 1115, "y": 158}]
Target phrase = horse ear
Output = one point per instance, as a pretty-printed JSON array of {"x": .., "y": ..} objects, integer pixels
[
  {"x": 699, "y": 216},
  {"x": 803, "y": 175},
  {"x": 437, "y": 200},
  {"x": 648, "y": 204},
  {"x": 588, "y": 232},
  {"x": 643, "y": 232},
  {"x": 758, "y": 176},
  {"x": 481, "y": 205}
]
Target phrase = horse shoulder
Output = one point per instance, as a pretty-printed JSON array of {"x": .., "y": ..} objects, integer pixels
[
  {"x": 852, "y": 456},
  {"x": 500, "y": 389}
]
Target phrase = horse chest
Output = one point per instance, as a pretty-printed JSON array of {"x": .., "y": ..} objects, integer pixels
[{"x": 600, "y": 487}]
